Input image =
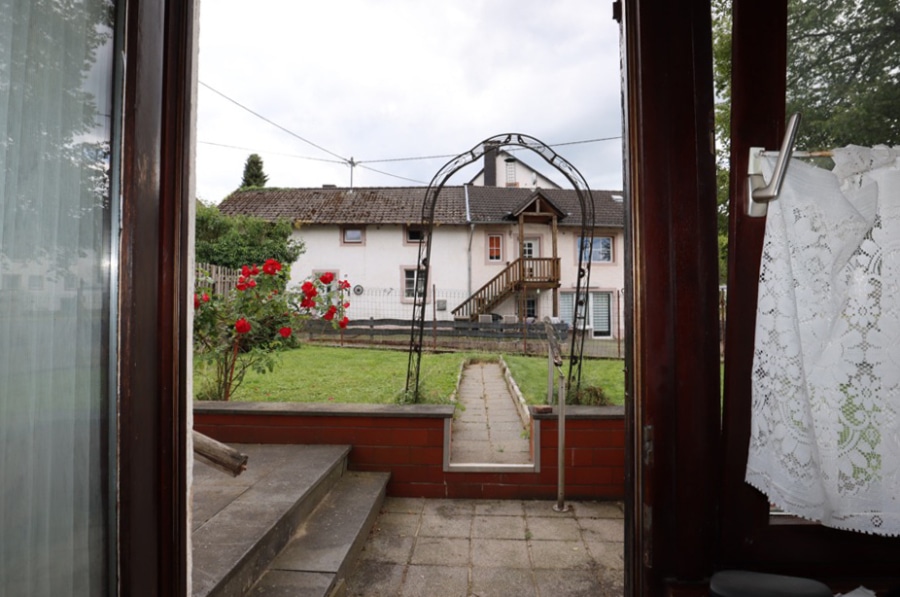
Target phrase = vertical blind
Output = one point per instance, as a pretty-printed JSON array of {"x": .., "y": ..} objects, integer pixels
[{"x": 55, "y": 146}]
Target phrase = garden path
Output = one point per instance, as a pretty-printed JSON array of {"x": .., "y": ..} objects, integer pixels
[{"x": 489, "y": 429}]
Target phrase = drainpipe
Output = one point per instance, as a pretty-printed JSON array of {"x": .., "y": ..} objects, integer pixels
[{"x": 471, "y": 235}]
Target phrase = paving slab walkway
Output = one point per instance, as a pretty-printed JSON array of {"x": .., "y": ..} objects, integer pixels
[
  {"x": 485, "y": 548},
  {"x": 489, "y": 427}
]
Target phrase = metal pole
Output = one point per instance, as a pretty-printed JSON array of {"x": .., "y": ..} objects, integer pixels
[
  {"x": 549, "y": 372},
  {"x": 561, "y": 447}
]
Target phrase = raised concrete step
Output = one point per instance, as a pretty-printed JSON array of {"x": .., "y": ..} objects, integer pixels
[
  {"x": 241, "y": 524},
  {"x": 324, "y": 548}
]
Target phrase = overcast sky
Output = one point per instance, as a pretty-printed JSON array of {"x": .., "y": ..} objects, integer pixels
[{"x": 383, "y": 79}]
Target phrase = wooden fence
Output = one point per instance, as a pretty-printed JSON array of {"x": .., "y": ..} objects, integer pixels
[{"x": 215, "y": 277}]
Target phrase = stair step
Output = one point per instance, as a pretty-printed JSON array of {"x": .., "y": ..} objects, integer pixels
[
  {"x": 325, "y": 546},
  {"x": 241, "y": 524}
]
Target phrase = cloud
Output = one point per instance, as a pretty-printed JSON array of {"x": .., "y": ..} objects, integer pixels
[{"x": 384, "y": 79}]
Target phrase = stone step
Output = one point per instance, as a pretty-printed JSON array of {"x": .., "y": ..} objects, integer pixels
[
  {"x": 327, "y": 544},
  {"x": 241, "y": 524}
]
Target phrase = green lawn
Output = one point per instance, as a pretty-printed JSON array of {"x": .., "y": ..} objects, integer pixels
[{"x": 328, "y": 374}]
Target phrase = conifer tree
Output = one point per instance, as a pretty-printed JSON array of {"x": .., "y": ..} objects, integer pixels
[{"x": 253, "y": 172}]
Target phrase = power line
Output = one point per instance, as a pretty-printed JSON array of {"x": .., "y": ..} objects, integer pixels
[
  {"x": 389, "y": 174},
  {"x": 275, "y": 124},
  {"x": 289, "y": 155},
  {"x": 352, "y": 163}
]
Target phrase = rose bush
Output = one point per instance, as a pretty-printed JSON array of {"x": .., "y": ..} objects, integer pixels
[{"x": 243, "y": 329}]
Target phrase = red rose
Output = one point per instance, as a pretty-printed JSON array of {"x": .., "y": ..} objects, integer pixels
[
  {"x": 329, "y": 315},
  {"x": 346, "y": 305},
  {"x": 245, "y": 271},
  {"x": 252, "y": 283},
  {"x": 242, "y": 326},
  {"x": 308, "y": 303},
  {"x": 344, "y": 285},
  {"x": 205, "y": 298},
  {"x": 343, "y": 322},
  {"x": 308, "y": 289},
  {"x": 285, "y": 332},
  {"x": 271, "y": 267},
  {"x": 242, "y": 286},
  {"x": 326, "y": 278},
  {"x": 254, "y": 271},
  {"x": 196, "y": 301}
]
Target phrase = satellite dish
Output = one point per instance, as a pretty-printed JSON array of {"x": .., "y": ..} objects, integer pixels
[{"x": 358, "y": 289}]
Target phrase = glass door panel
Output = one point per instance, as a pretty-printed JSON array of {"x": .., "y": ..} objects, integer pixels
[{"x": 56, "y": 121}]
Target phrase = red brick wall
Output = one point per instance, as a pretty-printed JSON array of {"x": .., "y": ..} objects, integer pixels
[{"x": 408, "y": 442}]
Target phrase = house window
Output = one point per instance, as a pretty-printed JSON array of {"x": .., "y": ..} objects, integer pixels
[
  {"x": 600, "y": 252},
  {"x": 567, "y": 307},
  {"x": 353, "y": 236},
  {"x": 531, "y": 301},
  {"x": 511, "y": 173},
  {"x": 415, "y": 234},
  {"x": 531, "y": 248},
  {"x": 601, "y": 314},
  {"x": 413, "y": 283},
  {"x": 598, "y": 313},
  {"x": 495, "y": 247}
]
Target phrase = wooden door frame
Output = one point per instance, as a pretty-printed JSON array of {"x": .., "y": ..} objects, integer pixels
[
  {"x": 672, "y": 298},
  {"x": 153, "y": 325},
  {"x": 748, "y": 539}
]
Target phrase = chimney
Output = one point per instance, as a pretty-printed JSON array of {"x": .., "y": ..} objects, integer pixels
[{"x": 490, "y": 163}]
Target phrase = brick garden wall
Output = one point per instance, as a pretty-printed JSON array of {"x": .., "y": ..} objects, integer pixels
[{"x": 408, "y": 442}]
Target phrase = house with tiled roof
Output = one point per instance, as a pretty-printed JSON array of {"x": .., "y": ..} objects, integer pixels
[{"x": 504, "y": 252}]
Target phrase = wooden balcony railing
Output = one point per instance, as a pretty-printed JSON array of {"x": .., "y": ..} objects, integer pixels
[{"x": 521, "y": 273}]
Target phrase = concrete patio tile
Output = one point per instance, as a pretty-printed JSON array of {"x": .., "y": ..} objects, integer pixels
[
  {"x": 609, "y": 556},
  {"x": 498, "y": 527},
  {"x": 561, "y": 555},
  {"x": 549, "y": 529},
  {"x": 600, "y": 510},
  {"x": 434, "y": 525},
  {"x": 603, "y": 529},
  {"x": 449, "y": 508},
  {"x": 569, "y": 583},
  {"x": 612, "y": 582},
  {"x": 387, "y": 548},
  {"x": 375, "y": 579},
  {"x": 402, "y": 505},
  {"x": 401, "y": 525},
  {"x": 280, "y": 583},
  {"x": 544, "y": 508},
  {"x": 503, "y": 582},
  {"x": 435, "y": 581},
  {"x": 441, "y": 551},
  {"x": 499, "y": 508},
  {"x": 499, "y": 553}
]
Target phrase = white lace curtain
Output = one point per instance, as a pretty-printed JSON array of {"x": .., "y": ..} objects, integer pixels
[{"x": 825, "y": 433}]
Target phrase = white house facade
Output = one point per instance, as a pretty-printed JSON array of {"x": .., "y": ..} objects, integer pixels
[{"x": 507, "y": 252}]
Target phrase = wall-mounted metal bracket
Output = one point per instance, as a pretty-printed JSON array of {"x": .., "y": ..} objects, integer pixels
[{"x": 758, "y": 192}]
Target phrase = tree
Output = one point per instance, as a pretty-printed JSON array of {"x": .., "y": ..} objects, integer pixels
[
  {"x": 842, "y": 76},
  {"x": 842, "y": 72},
  {"x": 234, "y": 241},
  {"x": 253, "y": 172}
]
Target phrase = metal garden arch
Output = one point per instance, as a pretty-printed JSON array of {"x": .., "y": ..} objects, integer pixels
[{"x": 586, "y": 203}]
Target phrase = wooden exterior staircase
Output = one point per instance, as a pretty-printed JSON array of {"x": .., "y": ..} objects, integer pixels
[{"x": 525, "y": 273}]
